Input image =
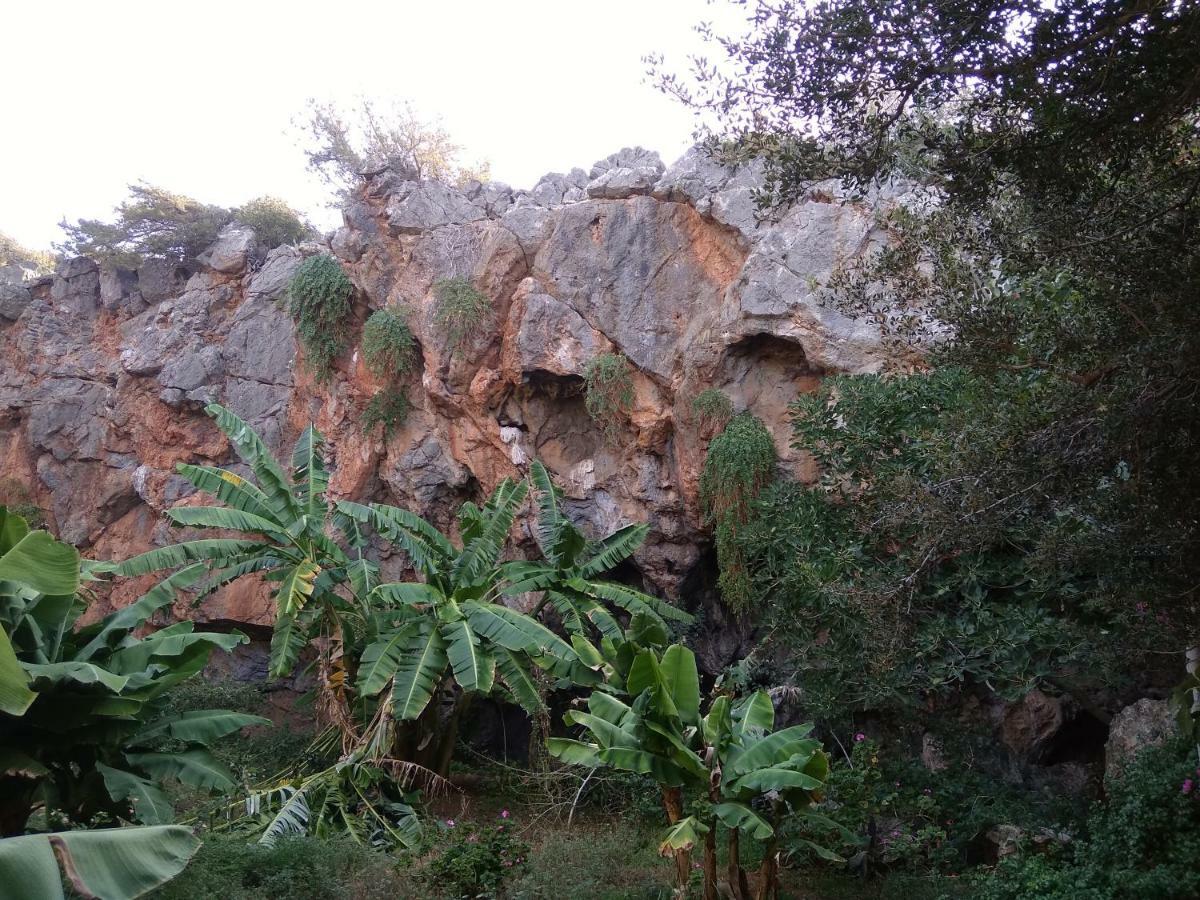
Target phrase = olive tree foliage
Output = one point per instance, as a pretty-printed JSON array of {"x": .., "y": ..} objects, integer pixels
[
  {"x": 1057, "y": 266},
  {"x": 154, "y": 223},
  {"x": 341, "y": 143}
]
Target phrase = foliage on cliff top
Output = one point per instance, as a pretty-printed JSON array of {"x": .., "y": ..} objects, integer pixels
[
  {"x": 274, "y": 222},
  {"x": 319, "y": 300},
  {"x": 13, "y": 252},
  {"x": 342, "y": 143},
  {"x": 152, "y": 223}
]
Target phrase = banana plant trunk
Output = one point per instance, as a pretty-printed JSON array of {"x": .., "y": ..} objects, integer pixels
[
  {"x": 710, "y": 862},
  {"x": 739, "y": 888},
  {"x": 449, "y": 736},
  {"x": 673, "y": 803},
  {"x": 768, "y": 872}
]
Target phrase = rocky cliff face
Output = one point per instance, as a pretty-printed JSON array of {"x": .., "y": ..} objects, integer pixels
[{"x": 106, "y": 373}]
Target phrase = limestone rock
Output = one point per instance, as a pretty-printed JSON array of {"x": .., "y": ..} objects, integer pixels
[
  {"x": 418, "y": 206},
  {"x": 670, "y": 267},
  {"x": 1029, "y": 725},
  {"x": 231, "y": 251},
  {"x": 1146, "y": 723}
]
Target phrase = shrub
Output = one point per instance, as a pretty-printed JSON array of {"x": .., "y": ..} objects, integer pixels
[
  {"x": 387, "y": 344},
  {"x": 477, "y": 861},
  {"x": 608, "y": 379},
  {"x": 12, "y": 252},
  {"x": 388, "y": 408},
  {"x": 319, "y": 295},
  {"x": 152, "y": 223},
  {"x": 461, "y": 312},
  {"x": 298, "y": 868},
  {"x": 712, "y": 408},
  {"x": 1142, "y": 842},
  {"x": 274, "y": 222},
  {"x": 740, "y": 463},
  {"x": 605, "y": 864}
]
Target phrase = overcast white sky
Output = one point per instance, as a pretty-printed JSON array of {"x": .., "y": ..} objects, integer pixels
[{"x": 197, "y": 97}]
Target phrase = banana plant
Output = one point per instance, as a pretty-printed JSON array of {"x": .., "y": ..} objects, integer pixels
[
  {"x": 92, "y": 733},
  {"x": 286, "y": 523},
  {"x": 568, "y": 573},
  {"x": 451, "y": 627},
  {"x": 112, "y": 863},
  {"x": 729, "y": 763}
]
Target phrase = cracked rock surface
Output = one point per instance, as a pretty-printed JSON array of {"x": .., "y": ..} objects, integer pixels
[{"x": 106, "y": 373}]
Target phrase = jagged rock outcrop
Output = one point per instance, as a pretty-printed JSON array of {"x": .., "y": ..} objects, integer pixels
[{"x": 106, "y": 372}]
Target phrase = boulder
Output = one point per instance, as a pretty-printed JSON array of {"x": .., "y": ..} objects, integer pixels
[
  {"x": 231, "y": 251},
  {"x": 1028, "y": 726},
  {"x": 418, "y": 206},
  {"x": 1146, "y": 723}
]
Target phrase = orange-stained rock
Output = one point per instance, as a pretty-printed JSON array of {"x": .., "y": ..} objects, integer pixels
[{"x": 107, "y": 372}]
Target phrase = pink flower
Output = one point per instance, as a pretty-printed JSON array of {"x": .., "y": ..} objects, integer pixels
[
  {"x": 449, "y": 823},
  {"x": 928, "y": 791},
  {"x": 859, "y": 737},
  {"x": 1188, "y": 784},
  {"x": 504, "y": 813}
]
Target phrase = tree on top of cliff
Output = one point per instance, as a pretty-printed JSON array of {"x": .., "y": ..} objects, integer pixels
[
  {"x": 341, "y": 144},
  {"x": 152, "y": 223}
]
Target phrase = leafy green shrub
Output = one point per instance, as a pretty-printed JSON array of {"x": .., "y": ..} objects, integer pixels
[
  {"x": 18, "y": 498},
  {"x": 608, "y": 380},
  {"x": 1143, "y": 842},
  {"x": 605, "y": 864},
  {"x": 712, "y": 408},
  {"x": 274, "y": 222},
  {"x": 152, "y": 223},
  {"x": 740, "y": 463},
  {"x": 461, "y": 312},
  {"x": 388, "y": 408},
  {"x": 297, "y": 868},
  {"x": 387, "y": 344},
  {"x": 477, "y": 861},
  {"x": 319, "y": 295}
]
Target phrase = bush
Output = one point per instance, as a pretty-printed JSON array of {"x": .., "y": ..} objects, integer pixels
[
  {"x": 296, "y": 868},
  {"x": 740, "y": 463},
  {"x": 12, "y": 252},
  {"x": 319, "y": 295},
  {"x": 152, "y": 223},
  {"x": 712, "y": 408},
  {"x": 388, "y": 408},
  {"x": 477, "y": 861},
  {"x": 1142, "y": 843},
  {"x": 607, "y": 864},
  {"x": 274, "y": 222},
  {"x": 608, "y": 380},
  {"x": 461, "y": 312},
  {"x": 388, "y": 347}
]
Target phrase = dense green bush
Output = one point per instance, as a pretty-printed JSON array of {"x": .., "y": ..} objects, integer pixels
[
  {"x": 319, "y": 300},
  {"x": 605, "y": 864},
  {"x": 608, "y": 380},
  {"x": 476, "y": 861},
  {"x": 712, "y": 408},
  {"x": 388, "y": 346},
  {"x": 152, "y": 223},
  {"x": 740, "y": 463},
  {"x": 296, "y": 868},
  {"x": 1142, "y": 843},
  {"x": 388, "y": 408},
  {"x": 461, "y": 312},
  {"x": 274, "y": 222}
]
